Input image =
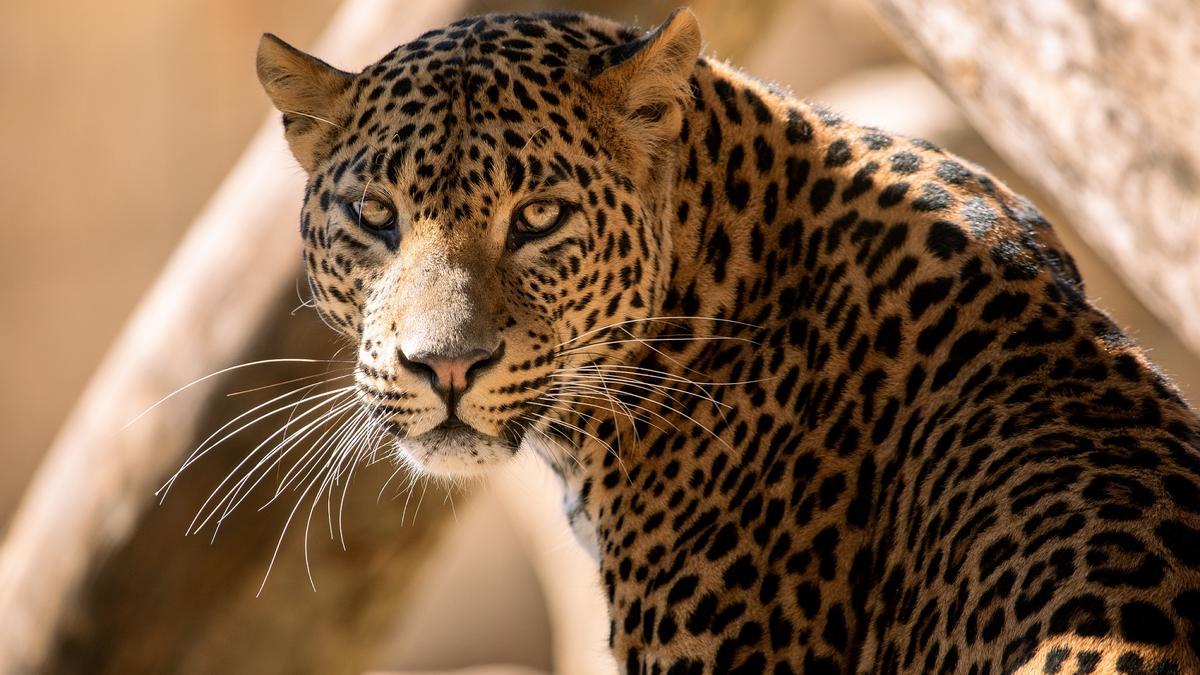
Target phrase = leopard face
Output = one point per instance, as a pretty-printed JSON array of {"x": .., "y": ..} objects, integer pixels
[{"x": 479, "y": 203}]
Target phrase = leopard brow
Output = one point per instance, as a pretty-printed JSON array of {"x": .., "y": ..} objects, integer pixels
[
  {"x": 363, "y": 190},
  {"x": 555, "y": 180}
]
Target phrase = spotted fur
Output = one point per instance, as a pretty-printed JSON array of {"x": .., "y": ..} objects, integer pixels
[{"x": 824, "y": 399}]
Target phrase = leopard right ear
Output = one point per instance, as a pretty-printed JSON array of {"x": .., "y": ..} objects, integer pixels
[{"x": 306, "y": 90}]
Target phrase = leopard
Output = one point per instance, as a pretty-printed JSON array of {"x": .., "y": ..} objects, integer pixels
[{"x": 821, "y": 398}]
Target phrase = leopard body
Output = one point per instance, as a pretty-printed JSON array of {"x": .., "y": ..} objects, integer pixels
[{"x": 823, "y": 399}]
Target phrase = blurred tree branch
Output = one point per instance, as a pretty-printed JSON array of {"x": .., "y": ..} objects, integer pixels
[
  {"x": 161, "y": 602},
  {"x": 1095, "y": 103}
]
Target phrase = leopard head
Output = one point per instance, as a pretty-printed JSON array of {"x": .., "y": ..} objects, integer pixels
[{"x": 482, "y": 204}]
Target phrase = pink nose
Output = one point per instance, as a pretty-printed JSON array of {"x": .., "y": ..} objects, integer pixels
[{"x": 452, "y": 374}]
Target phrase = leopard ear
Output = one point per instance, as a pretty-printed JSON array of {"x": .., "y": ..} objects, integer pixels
[
  {"x": 649, "y": 76},
  {"x": 306, "y": 90}
]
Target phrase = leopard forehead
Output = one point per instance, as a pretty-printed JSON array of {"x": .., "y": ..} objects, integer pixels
[{"x": 445, "y": 115}]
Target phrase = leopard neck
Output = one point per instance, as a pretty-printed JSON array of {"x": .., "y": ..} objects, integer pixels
[{"x": 743, "y": 158}]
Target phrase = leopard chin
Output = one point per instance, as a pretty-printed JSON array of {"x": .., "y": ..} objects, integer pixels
[{"x": 454, "y": 449}]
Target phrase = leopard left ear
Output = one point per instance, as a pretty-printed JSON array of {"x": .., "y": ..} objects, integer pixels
[
  {"x": 306, "y": 90},
  {"x": 649, "y": 76}
]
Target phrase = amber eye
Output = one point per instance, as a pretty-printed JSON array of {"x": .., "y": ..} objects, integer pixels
[
  {"x": 537, "y": 219},
  {"x": 372, "y": 214}
]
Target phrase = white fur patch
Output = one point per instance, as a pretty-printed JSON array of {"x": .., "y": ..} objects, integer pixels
[
  {"x": 554, "y": 452},
  {"x": 459, "y": 452}
]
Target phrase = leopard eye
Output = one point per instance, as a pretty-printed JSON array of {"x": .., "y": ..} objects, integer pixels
[
  {"x": 538, "y": 219},
  {"x": 372, "y": 214}
]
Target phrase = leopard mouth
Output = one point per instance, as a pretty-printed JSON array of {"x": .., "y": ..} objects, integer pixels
[
  {"x": 455, "y": 448},
  {"x": 455, "y": 432},
  {"x": 453, "y": 423}
]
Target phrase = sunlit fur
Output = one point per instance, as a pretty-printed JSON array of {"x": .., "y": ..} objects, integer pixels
[{"x": 823, "y": 399}]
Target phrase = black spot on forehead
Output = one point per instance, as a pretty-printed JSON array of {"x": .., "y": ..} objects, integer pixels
[
  {"x": 514, "y": 38},
  {"x": 483, "y": 60},
  {"x": 445, "y": 113}
]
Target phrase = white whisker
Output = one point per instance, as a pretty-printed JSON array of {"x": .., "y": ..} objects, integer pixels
[
  {"x": 293, "y": 381},
  {"x": 676, "y": 338},
  {"x": 655, "y": 318},
  {"x": 232, "y": 496},
  {"x": 221, "y": 372},
  {"x": 207, "y": 445}
]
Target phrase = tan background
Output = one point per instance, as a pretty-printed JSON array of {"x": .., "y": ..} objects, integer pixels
[{"x": 118, "y": 119}]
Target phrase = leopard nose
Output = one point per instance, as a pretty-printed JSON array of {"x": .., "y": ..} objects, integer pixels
[{"x": 451, "y": 373}]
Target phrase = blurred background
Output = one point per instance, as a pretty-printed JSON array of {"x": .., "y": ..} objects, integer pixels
[{"x": 120, "y": 119}]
